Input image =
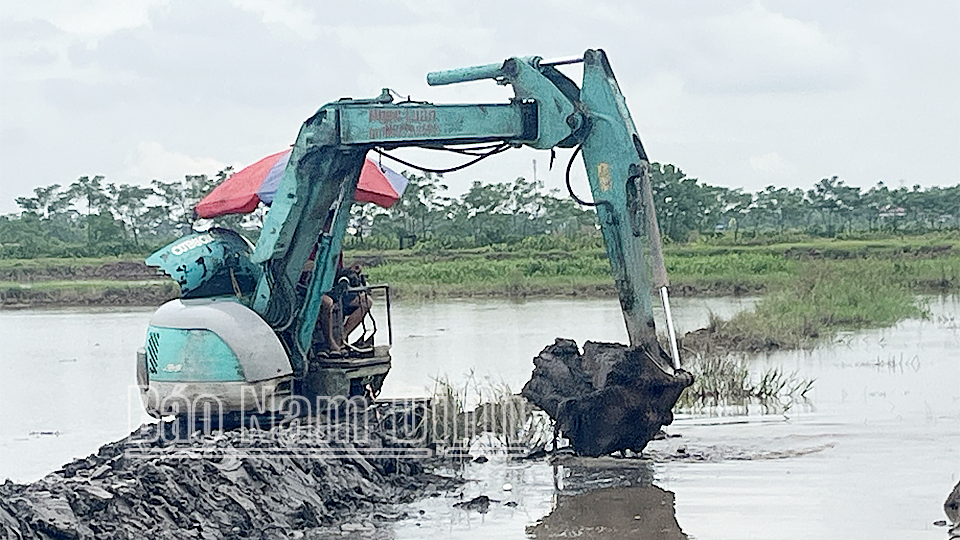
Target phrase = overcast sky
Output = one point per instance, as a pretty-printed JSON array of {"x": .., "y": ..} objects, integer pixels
[{"x": 736, "y": 93}]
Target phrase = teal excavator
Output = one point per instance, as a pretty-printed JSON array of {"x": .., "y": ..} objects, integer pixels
[{"x": 241, "y": 336}]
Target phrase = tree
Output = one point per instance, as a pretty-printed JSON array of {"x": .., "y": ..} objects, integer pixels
[
  {"x": 91, "y": 192},
  {"x": 418, "y": 213},
  {"x": 45, "y": 201},
  {"x": 680, "y": 201},
  {"x": 131, "y": 204}
]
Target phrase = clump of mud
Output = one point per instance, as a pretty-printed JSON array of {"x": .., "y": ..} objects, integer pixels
[
  {"x": 952, "y": 508},
  {"x": 318, "y": 479},
  {"x": 610, "y": 398}
]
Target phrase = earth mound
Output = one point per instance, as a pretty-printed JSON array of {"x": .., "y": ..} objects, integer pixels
[
  {"x": 611, "y": 397},
  {"x": 318, "y": 479}
]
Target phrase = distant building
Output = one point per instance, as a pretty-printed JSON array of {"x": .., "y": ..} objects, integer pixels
[{"x": 889, "y": 211}]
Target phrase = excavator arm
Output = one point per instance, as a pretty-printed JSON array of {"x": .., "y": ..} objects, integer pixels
[{"x": 548, "y": 110}]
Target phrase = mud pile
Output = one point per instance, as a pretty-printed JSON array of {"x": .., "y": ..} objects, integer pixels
[
  {"x": 308, "y": 481},
  {"x": 952, "y": 508},
  {"x": 609, "y": 398}
]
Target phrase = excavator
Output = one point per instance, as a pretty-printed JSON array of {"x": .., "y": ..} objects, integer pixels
[{"x": 242, "y": 334}]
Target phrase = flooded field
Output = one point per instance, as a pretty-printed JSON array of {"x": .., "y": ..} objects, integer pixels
[{"x": 872, "y": 455}]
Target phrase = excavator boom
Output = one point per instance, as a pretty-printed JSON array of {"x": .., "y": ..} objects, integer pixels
[{"x": 549, "y": 110}]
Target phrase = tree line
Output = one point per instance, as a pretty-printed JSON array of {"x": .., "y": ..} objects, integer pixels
[{"x": 92, "y": 217}]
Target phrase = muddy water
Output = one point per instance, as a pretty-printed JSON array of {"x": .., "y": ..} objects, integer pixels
[{"x": 872, "y": 456}]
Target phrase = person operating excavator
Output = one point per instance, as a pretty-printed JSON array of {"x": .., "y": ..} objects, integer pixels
[{"x": 355, "y": 306}]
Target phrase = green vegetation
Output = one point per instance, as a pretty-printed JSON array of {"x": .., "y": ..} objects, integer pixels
[
  {"x": 516, "y": 239},
  {"x": 724, "y": 381},
  {"x": 92, "y": 217},
  {"x": 919, "y": 264},
  {"x": 929, "y": 263},
  {"x": 825, "y": 298}
]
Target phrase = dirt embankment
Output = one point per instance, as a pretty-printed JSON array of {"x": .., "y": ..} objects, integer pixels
[
  {"x": 121, "y": 283},
  {"x": 119, "y": 271},
  {"x": 320, "y": 480},
  {"x": 151, "y": 294}
]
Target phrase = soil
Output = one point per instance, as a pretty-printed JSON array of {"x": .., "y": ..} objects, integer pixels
[
  {"x": 310, "y": 481},
  {"x": 120, "y": 271},
  {"x": 609, "y": 398},
  {"x": 709, "y": 341},
  {"x": 122, "y": 294},
  {"x": 134, "y": 284}
]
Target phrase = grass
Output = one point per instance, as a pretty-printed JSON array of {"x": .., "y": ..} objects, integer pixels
[
  {"x": 692, "y": 273},
  {"x": 515, "y": 276},
  {"x": 461, "y": 414},
  {"x": 824, "y": 299},
  {"x": 723, "y": 382},
  {"x": 929, "y": 263}
]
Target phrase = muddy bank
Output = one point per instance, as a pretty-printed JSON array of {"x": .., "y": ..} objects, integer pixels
[
  {"x": 119, "y": 294},
  {"x": 119, "y": 270},
  {"x": 298, "y": 481},
  {"x": 710, "y": 341},
  {"x": 131, "y": 293}
]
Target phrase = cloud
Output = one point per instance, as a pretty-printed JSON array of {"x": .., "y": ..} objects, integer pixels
[
  {"x": 210, "y": 54},
  {"x": 294, "y": 17},
  {"x": 731, "y": 91},
  {"x": 90, "y": 19},
  {"x": 152, "y": 161},
  {"x": 13, "y": 136},
  {"x": 771, "y": 163},
  {"x": 755, "y": 50}
]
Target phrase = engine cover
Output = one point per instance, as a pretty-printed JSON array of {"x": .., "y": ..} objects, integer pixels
[{"x": 216, "y": 351}]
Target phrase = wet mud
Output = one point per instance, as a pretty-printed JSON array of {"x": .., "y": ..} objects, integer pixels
[
  {"x": 609, "y": 398},
  {"x": 951, "y": 507},
  {"x": 307, "y": 480}
]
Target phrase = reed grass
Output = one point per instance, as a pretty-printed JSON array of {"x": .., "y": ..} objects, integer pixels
[
  {"x": 462, "y": 414},
  {"x": 723, "y": 383}
]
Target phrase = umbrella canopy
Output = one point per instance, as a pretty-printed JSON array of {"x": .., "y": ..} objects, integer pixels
[
  {"x": 379, "y": 185},
  {"x": 241, "y": 193}
]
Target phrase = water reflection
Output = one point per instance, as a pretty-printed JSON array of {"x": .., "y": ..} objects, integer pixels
[
  {"x": 608, "y": 498},
  {"x": 612, "y": 513}
]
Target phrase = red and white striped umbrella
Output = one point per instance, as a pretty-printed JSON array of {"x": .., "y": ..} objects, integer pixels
[{"x": 242, "y": 191}]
